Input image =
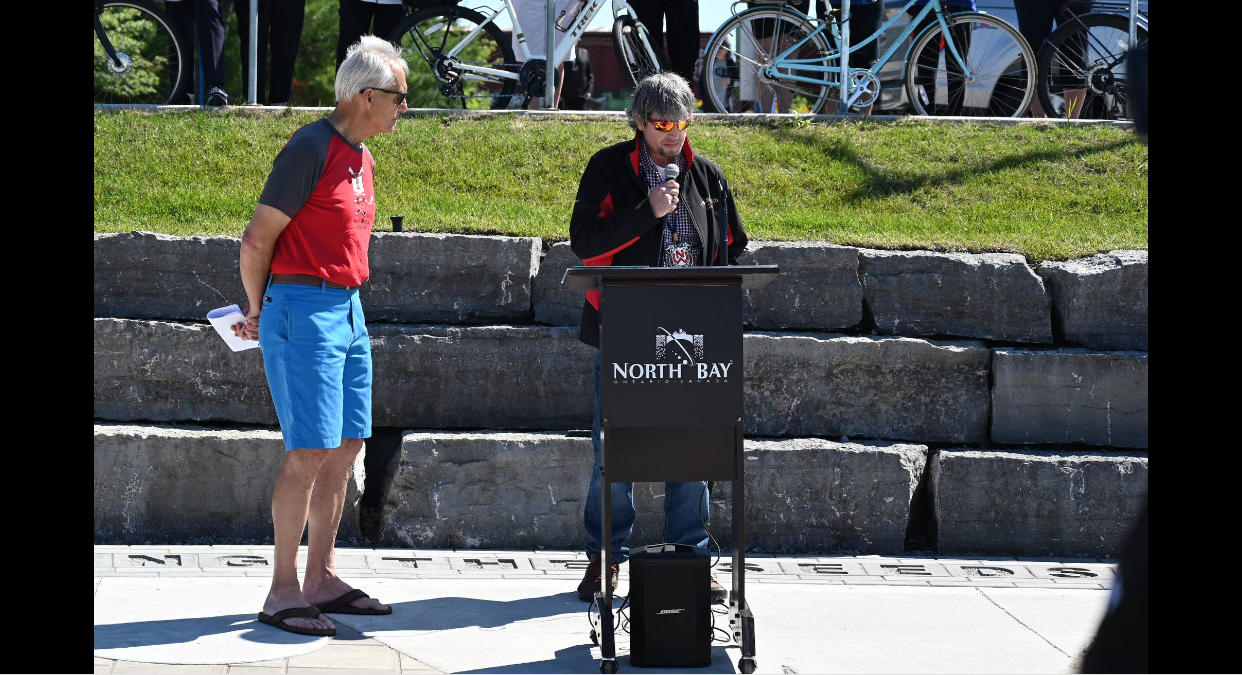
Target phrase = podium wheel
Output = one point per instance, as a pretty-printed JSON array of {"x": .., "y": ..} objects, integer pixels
[
  {"x": 746, "y": 665},
  {"x": 610, "y": 666}
]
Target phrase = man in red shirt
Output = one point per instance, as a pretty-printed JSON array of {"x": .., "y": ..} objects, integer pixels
[{"x": 303, "y": 257}]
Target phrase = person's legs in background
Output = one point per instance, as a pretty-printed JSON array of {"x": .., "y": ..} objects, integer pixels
[
  {"x": 681, "y": 45},
  {"x": 181, "y": 14},
  {"x": 651, "y": 16},
  {"x": 1035, "y": 23},
  {"x": 355, "y": 21},
  {"x": 386, "y": 19},
  {"x": 1076, "y": 52},
  {"x": 683, "y": 37},
  {"x": 211, "y": 45},
  {"x": 592, "y": 513},
  {"x": 686, "y": 511},
  {"x": 286, "y": 21}
]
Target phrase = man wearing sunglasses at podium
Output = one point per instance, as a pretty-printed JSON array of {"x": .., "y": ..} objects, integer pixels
[{"x": 626, "y": 213}]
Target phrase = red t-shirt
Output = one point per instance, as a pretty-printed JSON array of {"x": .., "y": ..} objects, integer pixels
[{"x": 324, "y": 184}]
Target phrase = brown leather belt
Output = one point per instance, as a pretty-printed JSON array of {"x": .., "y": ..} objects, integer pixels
[{"x": 307, "y": 280}]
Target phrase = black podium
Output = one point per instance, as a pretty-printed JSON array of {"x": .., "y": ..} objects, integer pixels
[{"x": 671, "y": 398}]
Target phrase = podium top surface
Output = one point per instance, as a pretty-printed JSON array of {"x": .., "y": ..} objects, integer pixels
[{"x": 593, "y": 278}]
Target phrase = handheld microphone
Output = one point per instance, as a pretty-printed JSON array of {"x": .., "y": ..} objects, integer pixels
[{"x": 671, "y": 171}]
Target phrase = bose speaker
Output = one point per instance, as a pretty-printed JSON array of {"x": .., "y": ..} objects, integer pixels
[{"x": 670, "y": 600}]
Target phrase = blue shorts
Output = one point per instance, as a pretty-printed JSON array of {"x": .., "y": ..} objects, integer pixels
[{"x": 317, "y": 356}]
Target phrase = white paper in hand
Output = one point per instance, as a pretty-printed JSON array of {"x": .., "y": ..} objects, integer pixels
[{"x": 223, "y": 320}]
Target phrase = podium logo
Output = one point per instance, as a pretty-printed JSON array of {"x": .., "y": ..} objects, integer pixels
[
  {"x": 679, "y": 358},
  {"x": 679, "y": 346},
  {"x": 671, "y": 611}
]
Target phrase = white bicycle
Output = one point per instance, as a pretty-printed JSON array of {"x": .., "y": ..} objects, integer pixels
[{"x": 459, "y": 58}]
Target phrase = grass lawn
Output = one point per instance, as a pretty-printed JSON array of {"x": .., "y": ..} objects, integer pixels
[{"x": 1044, "y": 191}]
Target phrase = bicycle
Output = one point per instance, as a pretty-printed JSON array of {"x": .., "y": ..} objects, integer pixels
[
  {"x": 139, "y": 57},
  {"x": 460, "y": 58},
  {"x": 965, "y": 63},
  {"x": 1082, "y": 71}
]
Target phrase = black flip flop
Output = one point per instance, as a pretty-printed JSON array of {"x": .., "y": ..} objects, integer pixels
[
  {"x": 278, "y": 620},
  {"x": 341, "y": 605}
]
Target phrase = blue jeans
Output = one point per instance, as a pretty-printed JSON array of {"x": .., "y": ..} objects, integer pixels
[{"x": 683, "y": 504}]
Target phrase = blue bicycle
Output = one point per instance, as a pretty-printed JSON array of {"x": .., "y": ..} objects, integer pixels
[{"x": 776, "y": 59}]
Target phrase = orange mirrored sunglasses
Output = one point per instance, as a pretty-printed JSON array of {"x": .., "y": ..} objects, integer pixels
[{"x": 663, "y": 125}]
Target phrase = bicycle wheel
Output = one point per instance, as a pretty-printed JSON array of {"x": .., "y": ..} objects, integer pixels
[
  {"x": 151, "y": 64},
  {"x": 436, "y": 80},
  {"x": 738, "y": 76},
  {"x": 633, "y": 57},
  {"x": 1000, "y": 62},
  {"x": 1082, "y": 70}
]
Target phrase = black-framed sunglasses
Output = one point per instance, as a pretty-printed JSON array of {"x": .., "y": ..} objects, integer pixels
[{"x": 400, "y": 94}]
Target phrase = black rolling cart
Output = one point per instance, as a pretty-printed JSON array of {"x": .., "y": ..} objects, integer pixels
[{"x": 671, "y": 398}]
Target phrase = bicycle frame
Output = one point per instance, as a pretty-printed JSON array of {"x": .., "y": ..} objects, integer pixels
[
  {"x": 782, "y": 59},
  {"x": 103, "y": 37},
  {"x": 560, "y": 51}
]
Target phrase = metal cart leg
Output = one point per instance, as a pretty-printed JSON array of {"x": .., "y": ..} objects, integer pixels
[
  {"x": 741, "y": 621},
  {"x": 603, "y": 598}
]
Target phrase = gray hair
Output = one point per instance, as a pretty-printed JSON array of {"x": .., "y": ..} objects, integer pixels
[
  {"x": 368, "y": 63},
  {"x": 662, "y": 96}
]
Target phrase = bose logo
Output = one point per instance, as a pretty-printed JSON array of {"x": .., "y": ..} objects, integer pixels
[{"x": 671, "y": 611}]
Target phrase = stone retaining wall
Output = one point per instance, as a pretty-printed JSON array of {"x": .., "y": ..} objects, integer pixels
[
  {"x": 1070, "y": 396},
  {"x": 914, "y": 347},
  {"x": 423, "y": 278},
  {"x": 990, "y": 295},
  {"x": 165, "y": 484},
  {"x": 1055, "y": 503},
  {"x": 1099, "y": 302},
  {"x": 533, "y": 377},
  {"x": 507, "y": 490},
  {"x": 894, "y": 388}
]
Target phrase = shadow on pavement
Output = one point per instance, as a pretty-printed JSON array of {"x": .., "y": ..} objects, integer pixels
[
  {"x": 423, "y": 616},
  {"x": 578, "y": 659},
  {"x": 433, "y": 614},
  {"x": 181, "y": 631}
]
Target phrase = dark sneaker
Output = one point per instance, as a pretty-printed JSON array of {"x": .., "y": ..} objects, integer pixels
[
  {"x": 590, "y": 581},
  {"x": 217, "y": 97},
  {"x": 719, "y": 593}
]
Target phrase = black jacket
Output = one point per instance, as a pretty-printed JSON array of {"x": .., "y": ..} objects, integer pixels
[{"x": 612, "y": 222}]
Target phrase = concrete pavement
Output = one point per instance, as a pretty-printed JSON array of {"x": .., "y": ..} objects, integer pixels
[{"x": 191, "y": 609}]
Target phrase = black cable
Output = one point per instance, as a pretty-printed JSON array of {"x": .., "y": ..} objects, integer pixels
[
  {"x": 727, "y": 636},
  {"x": 623, "y": 620},
  {"x": 703, "y": 520},
  {"x": 620, "y": 617}
]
